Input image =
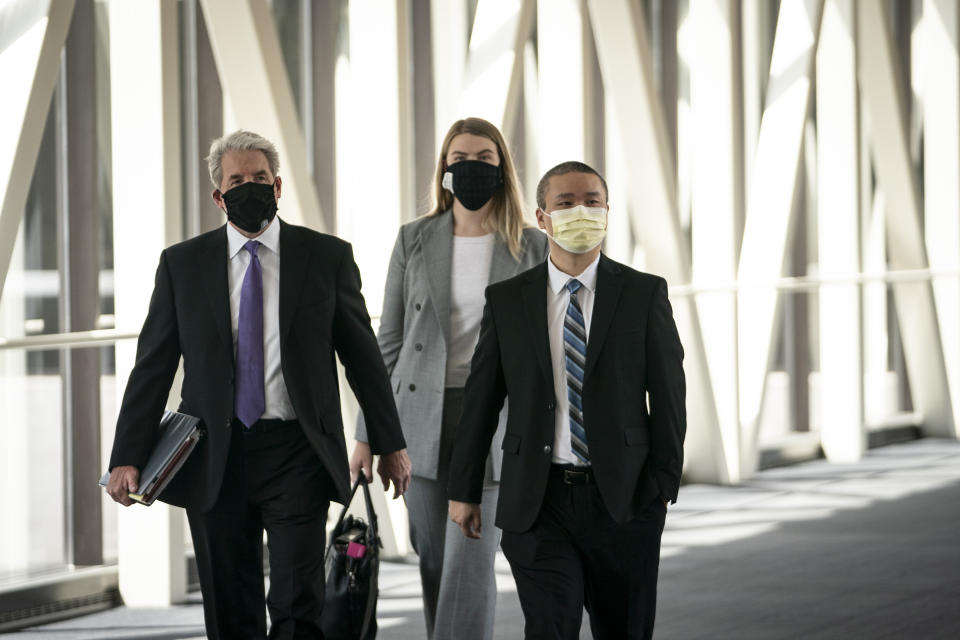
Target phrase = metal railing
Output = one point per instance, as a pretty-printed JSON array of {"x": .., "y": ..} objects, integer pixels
[
  {"x": 67, "y": 340},
  {"x": 786, "y": 284}
]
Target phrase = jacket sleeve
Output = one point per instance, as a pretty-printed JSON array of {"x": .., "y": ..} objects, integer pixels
[
  {"x": 667, "y": 389},
  {"x": 483, "y": 398},
  {"x": 158, "y": 354},
  {"x": 390, "y": 334},
  {"x": 357, "y": 347}
]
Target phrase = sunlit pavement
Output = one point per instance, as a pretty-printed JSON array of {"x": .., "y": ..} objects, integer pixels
[{"x": 815, "y": 550}]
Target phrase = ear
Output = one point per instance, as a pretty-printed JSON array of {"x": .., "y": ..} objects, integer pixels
[
  {"x": 540, "y": 222},
  {"x": 277, "y": 187},
  {"x": 218, "y": 198}
]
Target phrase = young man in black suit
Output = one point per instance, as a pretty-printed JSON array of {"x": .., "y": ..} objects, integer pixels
[
  {"x": 580, "y": 345},
  {"x": 257, "y": 309}
]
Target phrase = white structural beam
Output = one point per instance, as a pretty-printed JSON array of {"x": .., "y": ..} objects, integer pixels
[
  {"x": 448, "y": 42},
  {"x": 755, "y": 56},
  {"x": 372, "y": 81},
  {"x": 492, "y": 82},
  {"x": 770, "y": 204},
  {"x": 145, "y": 124},
  {"x": 843, "y": 433},
  {"x": 246, "y": 47},
  {"x": 561, "y": 68},
  {"x": 879, "y": 391},
  {"x": 716, "y": 200},
  {"x": 941, "y": 169},
  {"x": 32, "y": 35},
  {"x": 625, "y": 63},
  {"x": 618, "y": 243},
  {"x": 531, "y": 128},
  {"x": 884, "y": 97}
]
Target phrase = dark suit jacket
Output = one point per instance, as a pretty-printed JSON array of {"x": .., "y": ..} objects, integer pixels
[
  {"x": 633, "y": 350},
  {"x": 321, "y": 312}
]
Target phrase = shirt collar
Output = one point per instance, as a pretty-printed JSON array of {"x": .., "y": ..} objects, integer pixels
[
  {"x": 270, "y": 238},
  {"x": 559, "y": 279}
]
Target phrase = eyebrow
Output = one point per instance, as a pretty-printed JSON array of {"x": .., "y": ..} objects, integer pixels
[
  {"x": 479, "y": 153},
  {"x": 571, "y": 194},
  {"x": 262, "y": 172}
]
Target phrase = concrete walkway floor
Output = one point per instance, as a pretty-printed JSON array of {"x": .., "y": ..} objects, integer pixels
[{"x": 868, "y": 550}]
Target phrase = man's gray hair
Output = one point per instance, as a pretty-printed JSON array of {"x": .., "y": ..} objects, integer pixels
[{"x": 240, "y": 140}]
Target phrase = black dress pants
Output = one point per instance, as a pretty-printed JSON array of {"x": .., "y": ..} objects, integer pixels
[
  {"x": 576, "y": 556},
  {"x": 275, "y": 482}
]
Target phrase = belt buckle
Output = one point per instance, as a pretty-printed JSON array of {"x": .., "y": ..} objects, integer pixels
[{"x": 572, "y": 476}]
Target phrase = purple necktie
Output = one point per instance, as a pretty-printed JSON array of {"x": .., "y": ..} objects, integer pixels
[{"x": 248, "y": 399}]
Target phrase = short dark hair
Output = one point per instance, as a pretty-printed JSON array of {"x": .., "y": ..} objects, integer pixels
[{"x": 570, "y": 166}]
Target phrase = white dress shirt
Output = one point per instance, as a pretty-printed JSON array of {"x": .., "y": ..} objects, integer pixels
[
  {"x": 275, "y": 390},
  {"x": 558, "y": 297},
  {"x": 469, "y": 277}
]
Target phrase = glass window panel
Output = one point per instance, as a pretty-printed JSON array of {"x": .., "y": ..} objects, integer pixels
[
  {"x": 288, "y": 14},
  {"x": 109, "y": 405},
  {"x": 31, "y": 293},
  {"x": 32, "y": 482},
  {"x": 104, "y": 191}
]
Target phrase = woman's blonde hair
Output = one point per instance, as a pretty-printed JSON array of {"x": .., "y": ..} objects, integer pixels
[{"x": 506, "y": 218}]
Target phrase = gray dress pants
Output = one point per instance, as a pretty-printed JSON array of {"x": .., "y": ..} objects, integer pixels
[{"x": 456, "y": 572}]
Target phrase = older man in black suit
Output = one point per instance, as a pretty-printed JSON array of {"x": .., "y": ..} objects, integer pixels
[
  {"x": 580, "y": 345},
  {"x": 257, "y": 309}
]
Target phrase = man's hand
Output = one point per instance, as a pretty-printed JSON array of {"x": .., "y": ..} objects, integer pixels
[
  {"x": 395, "y": 467},
  {"x": 123, "y": 480},
  {"x": 467, "y": 515},
  {"x": 361, "y": 459}
]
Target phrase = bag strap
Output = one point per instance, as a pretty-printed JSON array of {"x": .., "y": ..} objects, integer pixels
[
  {"x": 374, "y": 538},
  {"x": 371, "y": 514}
]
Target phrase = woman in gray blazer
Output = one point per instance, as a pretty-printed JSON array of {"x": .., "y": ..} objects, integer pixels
[{"x": 442, "y": 262}]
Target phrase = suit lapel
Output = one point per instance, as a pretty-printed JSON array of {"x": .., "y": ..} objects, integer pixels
[
  {"x": 535, "y": 307},
  {"x": 214, "y": 265},
  {"x": 293, "y": 265},
  {"x": 436, "y": 242},
  {"x": 609, "y": 286}
]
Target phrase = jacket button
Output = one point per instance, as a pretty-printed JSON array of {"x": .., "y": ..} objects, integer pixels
[
  {"x": 413, "y": 387},
  {"x": 417, "y": 306},
  {"x": 418, "y": 347},
  {"x": 551, "y": 406},
  {"x": 547, "y": 449}
]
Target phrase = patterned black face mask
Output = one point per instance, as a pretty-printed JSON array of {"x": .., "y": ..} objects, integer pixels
[
  {"x": 251, "y": 206},
  {"x": 472, "y": 182}
]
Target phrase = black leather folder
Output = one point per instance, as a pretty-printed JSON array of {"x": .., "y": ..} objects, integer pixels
[{"x": 179, "y": 434}]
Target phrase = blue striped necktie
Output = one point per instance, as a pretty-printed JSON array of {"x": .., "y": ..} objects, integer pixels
[{"x": 575, "y": 352}]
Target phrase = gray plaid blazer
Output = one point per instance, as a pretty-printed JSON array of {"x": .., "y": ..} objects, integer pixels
[{"x": 414, "y": 327}]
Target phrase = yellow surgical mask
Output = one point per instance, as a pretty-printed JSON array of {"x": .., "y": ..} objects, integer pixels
[{"x": 579, "y": 229}]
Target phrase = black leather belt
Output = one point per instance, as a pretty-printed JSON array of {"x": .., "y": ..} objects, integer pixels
[
  {"x": 572, "y": 475},
  {"x": 267, "y": 425}
]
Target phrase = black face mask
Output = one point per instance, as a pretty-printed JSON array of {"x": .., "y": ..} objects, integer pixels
[
  {"x": 473, "y": 182},
  {"x": 251, "y": 206}
]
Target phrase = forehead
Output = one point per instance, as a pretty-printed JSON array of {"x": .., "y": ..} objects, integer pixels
[
  {"x": 575, "y": 182},
  {"x": 470, "y": 143},
  {"x": 244, "y": 162}
]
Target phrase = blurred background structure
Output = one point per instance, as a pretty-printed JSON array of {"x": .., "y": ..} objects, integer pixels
[{"x": 791, "y": 167}]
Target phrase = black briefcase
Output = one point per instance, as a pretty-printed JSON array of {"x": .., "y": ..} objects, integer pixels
[{"x": 352, "y": 563}]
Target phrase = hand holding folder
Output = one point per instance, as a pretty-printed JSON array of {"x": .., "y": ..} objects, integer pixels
[
  {"x": 121, "y": 482},
  {"x": 178, "y": 435}
]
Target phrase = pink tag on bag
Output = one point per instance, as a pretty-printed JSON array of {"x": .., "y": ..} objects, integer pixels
[{"x": 356, "y": 550}]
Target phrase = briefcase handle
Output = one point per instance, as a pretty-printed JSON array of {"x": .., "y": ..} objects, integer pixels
[{"x": 371, "y": 514}]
